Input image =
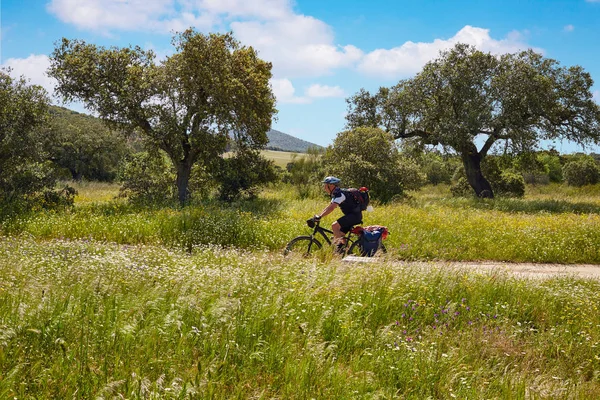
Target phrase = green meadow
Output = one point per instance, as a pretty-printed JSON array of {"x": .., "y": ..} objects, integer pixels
[{"x": 108, "y": 300}]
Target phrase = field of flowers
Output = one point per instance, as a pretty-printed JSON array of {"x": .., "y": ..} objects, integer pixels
[
  {"x": 112, "y": 301},
  {"x": 564, "y": 228},
  {"x": 84, "y": 319}
]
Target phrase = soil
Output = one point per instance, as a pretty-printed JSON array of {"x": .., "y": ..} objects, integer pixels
[{"x": 525, "y": 270}]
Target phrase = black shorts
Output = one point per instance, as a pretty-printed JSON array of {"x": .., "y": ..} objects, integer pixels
[{"x": 348, "y": 221}]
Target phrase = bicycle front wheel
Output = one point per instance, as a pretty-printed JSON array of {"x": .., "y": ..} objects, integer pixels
[{"x": 302, "y": 245}]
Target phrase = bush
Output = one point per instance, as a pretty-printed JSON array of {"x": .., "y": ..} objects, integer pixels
[
  {"x": 148, "y": 178},
  {"x": 581, "y": 171},
  {"x": 305, "y": 173},
  {"x": 369, "y": 157},
  {"x": 461, "y": 188},
  {"x": 510, "y": 184},
  {"x": 241, "y": 175},
  {"x": 436, "y": 168},
  {"x": 505, "y": 182},
  {"x": 552, "y": 165}
]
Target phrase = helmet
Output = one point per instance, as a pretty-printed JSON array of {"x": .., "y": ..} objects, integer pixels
[{"x": 332, "y": 180}]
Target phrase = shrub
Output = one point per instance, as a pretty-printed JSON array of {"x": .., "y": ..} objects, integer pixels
[
  {"x": 510, "y": 184},
  {"x": 552, "y": 165},
  {"x": 148, "y": 178},
  {"x": 305, "y": 173},
  {"x": 581, "y": 171},
  {"x": 369, "y": 157},
  {"x": 461, "y": 187},
  {"x": 241, "y": 175}
]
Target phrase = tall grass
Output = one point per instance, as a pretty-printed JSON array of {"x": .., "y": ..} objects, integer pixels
[
  {"x": 431, "y": 226},
  {"x": 81, "y": 319}
]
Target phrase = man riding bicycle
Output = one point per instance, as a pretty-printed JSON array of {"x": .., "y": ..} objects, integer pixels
[{"x": 351, "y": 209}]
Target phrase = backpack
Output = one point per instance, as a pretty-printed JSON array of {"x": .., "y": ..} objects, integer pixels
[{"x": 360, "y": 196}]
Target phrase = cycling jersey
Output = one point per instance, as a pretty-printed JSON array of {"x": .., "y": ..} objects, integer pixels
[
  {"x": 346, "y": 203},
  {"x": 352, "y": 213}
]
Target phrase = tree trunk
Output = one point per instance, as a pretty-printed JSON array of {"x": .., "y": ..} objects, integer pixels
[
  {"x": 472, "y": 164},
  {"x": 75, "y": 174},
  {"x": 184, "y": 170}
]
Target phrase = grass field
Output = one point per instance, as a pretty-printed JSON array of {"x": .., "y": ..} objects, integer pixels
[
  {"x": 112, "y": 301},
  {"x": 280, "y": 158}
]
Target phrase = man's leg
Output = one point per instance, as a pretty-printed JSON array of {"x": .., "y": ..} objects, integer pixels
[{"x": 338, "y": 235}]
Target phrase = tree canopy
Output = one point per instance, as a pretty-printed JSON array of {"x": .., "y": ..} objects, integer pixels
[
  {"x": 188, "y": 105},
  {"x": 467, "y": 98},
  {"x": 368, "y": 156},
  {"x": 23, "y": 110},
  {"x": 83, "y": 145}
]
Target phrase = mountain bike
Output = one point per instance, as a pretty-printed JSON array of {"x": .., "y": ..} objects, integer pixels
[{"x": 305, "y": 244}]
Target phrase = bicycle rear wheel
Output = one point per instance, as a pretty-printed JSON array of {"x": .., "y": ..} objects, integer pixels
[{"x": 302, "y": 245}]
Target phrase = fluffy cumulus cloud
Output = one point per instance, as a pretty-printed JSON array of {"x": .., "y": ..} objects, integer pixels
[
  {"x": 317, "y": 90},
  {"x": 32, "y": 68},
  {"x": 410, "y": 57},
  {"x": 108, "y": 15},
  {"x": 161, "y": 15},
  {"x": 284, "y": 91},
  {"x": 298, "y": 45}
]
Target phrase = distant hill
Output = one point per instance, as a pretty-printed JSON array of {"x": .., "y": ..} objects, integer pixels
[
  {"x": 284, "y": 142},
  {"x": 278, "y": 141}
]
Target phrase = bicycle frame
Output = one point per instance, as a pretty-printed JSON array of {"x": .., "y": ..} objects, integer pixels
[{"x": 324, "y": 231}]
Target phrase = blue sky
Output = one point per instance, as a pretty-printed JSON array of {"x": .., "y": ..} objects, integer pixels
[{"x": 322, "y": 51}]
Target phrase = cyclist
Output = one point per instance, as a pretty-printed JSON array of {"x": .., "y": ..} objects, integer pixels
[{"x": 351, "y": 209}]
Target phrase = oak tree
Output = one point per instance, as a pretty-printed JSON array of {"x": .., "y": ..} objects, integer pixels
[
  {"x": 188, "y": 105},
  {"x": 468, "y": 101}
]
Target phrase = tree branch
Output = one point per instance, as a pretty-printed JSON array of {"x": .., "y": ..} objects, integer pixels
[{"x": 487, "y": 145}]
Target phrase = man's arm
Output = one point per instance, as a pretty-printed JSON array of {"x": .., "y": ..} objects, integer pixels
[{"x": 327, "y": 210}]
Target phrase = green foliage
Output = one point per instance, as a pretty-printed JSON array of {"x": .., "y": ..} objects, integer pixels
[
  {"x": 461, "y": 187},
  {"x": 147, "y": 179},
  {"x": 505, "y": 180},
  {"x": 437, "y": 168},
  {"x": 369, "y": 157},
  {"x": 241, "y": 175},
  {"x": 305, "y": 173},
  {"x": 518, "y": 99},
  {"x": 510, "y": 184},
  {"x": 552, "y": 165},
  {"x": 581, "y": 171},
  {"x": 188, "y": 105},
  {"x": 84, "y": 146},
  {"x": 97, "y": 320},
  {"x": 26, "y": 179},
  {"x": 531, "y": 167}
]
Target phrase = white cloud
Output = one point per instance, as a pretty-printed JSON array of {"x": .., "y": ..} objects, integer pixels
[
  {"x": 297, "y": 45},
  {"x": 131, "y": 15},
  {"x": 409, "y": 58},
  {"x": 569, "y": 28},
  {"x": 162, "y": 16},
  {"x": 597, "y": 96},
  {"x": 33, "y": 68},
  {"x": 317, "y": 90},
  {"x": 284, "y": 92}
]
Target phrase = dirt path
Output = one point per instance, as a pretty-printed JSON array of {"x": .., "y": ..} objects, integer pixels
[{"x": 525, "y": 270}]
